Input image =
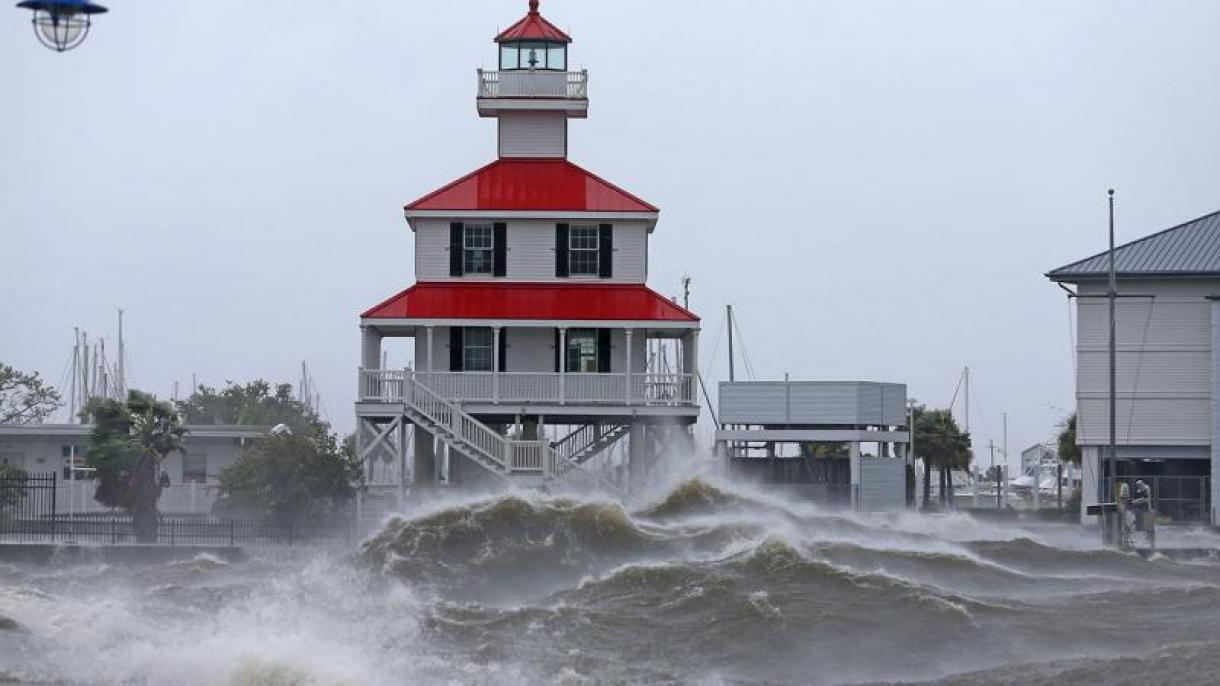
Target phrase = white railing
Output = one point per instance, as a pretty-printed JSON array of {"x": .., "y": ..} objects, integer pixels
[
  {"x": 512, "y": 456},
  {"x": 570, "y": 447},
  {"x": 534, "y": 84},
  {"x": 530, "y": 456},
  {"x": 77, "y": 497},
  {"x": 383, "y": 385},
  {"x": 389, "y": 385}
]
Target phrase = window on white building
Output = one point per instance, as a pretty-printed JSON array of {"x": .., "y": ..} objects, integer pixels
[
  {"x": 194, "y": 467},
  {"x": 582, "y": 251},
  {"x": 582, "y": 351},
  {"x": 478, "y": 246},
  {"x": 476, "y": 349}
]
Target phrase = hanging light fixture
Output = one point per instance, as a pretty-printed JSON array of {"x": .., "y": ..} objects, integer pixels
[{"x": 61, "y": 24}]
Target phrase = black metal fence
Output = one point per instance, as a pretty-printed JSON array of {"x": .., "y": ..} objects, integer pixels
[{"x": 28, "y": 513}]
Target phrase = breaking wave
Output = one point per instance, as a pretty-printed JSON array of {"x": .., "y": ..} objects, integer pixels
[{"x": 706, "y": 584}]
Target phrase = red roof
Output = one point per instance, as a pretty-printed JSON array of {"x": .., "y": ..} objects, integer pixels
[
  {"x": 558, "y": 301},
  {"x": 533, "y": 26},
  {"x": 532, "y": 184}
]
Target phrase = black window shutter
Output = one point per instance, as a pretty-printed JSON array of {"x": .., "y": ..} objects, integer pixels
[
  {"x": 605, "y": 249},
  {"x": 557, "y": 352},
  {"x": 603, "y": 351},
  {"x": 500, "y": 250},
  {"x": 503, "y": 352},
  {"x": 561, "y": 250},
  {"x": 455, "y": 248},
  {"x": 455, "y": 348}
]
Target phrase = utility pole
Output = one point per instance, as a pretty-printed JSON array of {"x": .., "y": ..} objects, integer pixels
[
  {"x": 729, "y": 321},
  {"x": 1113, "y": 297}
]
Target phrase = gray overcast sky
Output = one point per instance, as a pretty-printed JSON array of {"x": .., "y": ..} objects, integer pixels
[{"x": 878, "y": 187}]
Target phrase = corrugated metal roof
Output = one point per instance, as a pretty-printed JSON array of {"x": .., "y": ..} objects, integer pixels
[
  {"x": 1190, "y": 249},
  {"x": 531, "y": 184},
  {"x": 559, "y": 301}
]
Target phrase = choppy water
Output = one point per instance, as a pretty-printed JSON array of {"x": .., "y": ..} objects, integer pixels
[{"x": 704, "y": 585}]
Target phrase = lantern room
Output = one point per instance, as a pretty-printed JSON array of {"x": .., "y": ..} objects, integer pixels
[{"x": 533, "y": 71}]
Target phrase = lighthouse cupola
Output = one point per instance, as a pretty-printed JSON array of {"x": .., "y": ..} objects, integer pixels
[
  {"x": 533, "y": 43},
  {"x": 533, "y": 92}
]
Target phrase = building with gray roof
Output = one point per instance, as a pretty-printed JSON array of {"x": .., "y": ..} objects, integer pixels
[{"x": 1167, "y": 346}]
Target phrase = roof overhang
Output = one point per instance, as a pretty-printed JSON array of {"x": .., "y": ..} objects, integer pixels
[
  {"x": 649, "y": 217},
  {"x": 533, "y": 304}
]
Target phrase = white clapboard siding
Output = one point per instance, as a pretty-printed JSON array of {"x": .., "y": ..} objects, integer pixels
[
  {"x": 1164, "y": 370},
  {"x": 1159, "y": 323},
  {"x": 1146, "y": 421},
  {"x": 531, "y": 252},
  {"x": 533, "y": 134},
  {"x": 1158, "y": 372}
]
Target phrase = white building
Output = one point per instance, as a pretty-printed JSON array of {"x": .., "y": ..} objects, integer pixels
[
  {"x": 193, "y": 472},
  {"x": 1168, "y": 353},
  {"x": 536, "y": 342}
]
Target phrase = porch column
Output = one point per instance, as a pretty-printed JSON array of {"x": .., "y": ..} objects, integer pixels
[
  {"x": 690, "y": 366},
  {"x": 370, "y": 348},
  {"x": 430, "y": 367},
  {"x": 629, "y": 333},
  {"x": 495, "y": 364},
  {"x": 563, "y": 363}
]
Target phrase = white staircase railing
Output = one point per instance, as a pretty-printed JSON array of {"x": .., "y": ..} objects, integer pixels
[{"x": 503, "y": 455}]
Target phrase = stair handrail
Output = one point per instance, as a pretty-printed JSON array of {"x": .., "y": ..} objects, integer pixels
[{"x": 451, "y": 416}]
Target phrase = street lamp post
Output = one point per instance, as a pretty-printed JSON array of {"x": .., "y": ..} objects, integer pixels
[{"x": 61, "y": 24}]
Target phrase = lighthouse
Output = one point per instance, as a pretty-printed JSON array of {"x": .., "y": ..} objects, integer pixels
[{"x": 538, "y": 347}]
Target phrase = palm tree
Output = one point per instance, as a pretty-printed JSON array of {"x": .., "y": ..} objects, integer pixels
[
  {"x": 129, "y": 442},
  {"x": 941, "y": 444}
]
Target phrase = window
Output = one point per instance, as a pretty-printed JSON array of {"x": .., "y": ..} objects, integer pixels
[
  {"x": 477, "y": 249},
  {"x": 194, "y": 468},
  {"x": 556, "y": 56},
  {"x": 72, "y": 454},
  {"x": 476, "y": 349},
  {"x": 582, "y": 351},
  {"x": 13, "y": 458},
  {"x": 534, "y": 55},
  {"x": 582, "y": 251}
]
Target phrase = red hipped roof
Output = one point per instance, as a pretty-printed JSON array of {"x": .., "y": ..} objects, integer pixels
[
  {"x": 558, "y": 301},
  {"x": 532, "y": 184},
  {"x": 533, "y": 26}
]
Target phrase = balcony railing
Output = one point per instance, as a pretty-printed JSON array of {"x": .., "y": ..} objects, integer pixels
[
  {"x": 389, "y": 385},
  {"x": 534, "y": 84}
]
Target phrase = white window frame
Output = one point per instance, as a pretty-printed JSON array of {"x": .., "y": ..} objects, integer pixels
[
  {"x": 576, "y": 340},
  {"x": 478, "y": 252},
  {"x": 585, "y": 231},
  {"x": 468, "y": 335}
]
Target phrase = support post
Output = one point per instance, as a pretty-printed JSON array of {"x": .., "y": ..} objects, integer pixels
[
  {"x": 637, "y": 458},
  {"x": 423, "y": 466},
  {"x": 853, "y": 454}
]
